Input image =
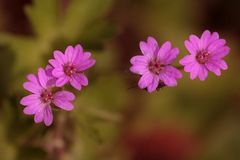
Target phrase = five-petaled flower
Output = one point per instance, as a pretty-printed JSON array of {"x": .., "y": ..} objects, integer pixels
[
  {"x": 155, "y": 65},
  {"x": 206, "y": 54},
  {"x": 69, "y": 67},
  {"x": 43, "y": 96}
]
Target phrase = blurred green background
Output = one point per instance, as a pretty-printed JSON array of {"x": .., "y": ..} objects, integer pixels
[{"x": 113, "y": 119}]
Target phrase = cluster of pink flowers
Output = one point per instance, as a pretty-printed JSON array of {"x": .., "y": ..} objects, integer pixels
[
  {"x": 155, "y": 65},
  {"x": 47, "y": 86}
]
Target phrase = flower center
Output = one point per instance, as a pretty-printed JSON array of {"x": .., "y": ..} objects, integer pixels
[
  {"x": 46, "y": 96},
  {"x": 202, "y": 57},
  {"x": 155, "y": 66},
  {"x": 69, "y": 70}
]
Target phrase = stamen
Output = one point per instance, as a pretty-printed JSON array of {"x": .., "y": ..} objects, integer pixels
[
  {"x": 69, "y": 70},
  {"x": 46, "y": 96},
  {"x": 202, "y": 57},
  {"x": 155, "y": 66}
]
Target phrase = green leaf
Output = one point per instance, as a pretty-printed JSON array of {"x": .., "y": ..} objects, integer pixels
[
  {"x": 80, "y": 14},
  {"x": 43, "y": 16},
  {"x": 28, "y": 51}
]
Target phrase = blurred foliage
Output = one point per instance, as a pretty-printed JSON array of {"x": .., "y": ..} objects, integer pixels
[
  {"x": 54, "y": 28},
  {"x": 50, "y": 27}
]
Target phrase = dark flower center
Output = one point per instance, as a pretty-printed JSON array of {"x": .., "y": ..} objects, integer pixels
[
  {"x": 202, "y": 57},
  {"x": 69, "y": 70},
  {"x": 46, "y": 96},
  {"x": 155, "y": 66}
]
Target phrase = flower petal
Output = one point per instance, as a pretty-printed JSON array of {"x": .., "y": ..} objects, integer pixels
[
  {"x": 86, "y": 55},
  {"x": 139, "y": 60},
  {"x": 69, "y": 53},
  {"x": 76, "y": 54},
  {"x": 216, "y": 44},
  {"x": 59, "y": 56},
  {"x": 75, "y": 83},
  {"x": 172, "y": 72},
  {"x": 42, "y": 77},
  {"x": 169, "y": 75},
  {"x": 47, "y": 115},
  {"x": 77, "y": 80},
  {"x": 213, "y": 68},
  {"x": 194, "y": 71},
  {"x": 58, "y": 72},
  {"x": 55, "y": 63},
  {"x": 64, "y": 96},
  {"x": 223, "y": 65},
  {"x": 78, "y": 48},
  {"x": 219, "y": 63},
  {"x": 86, "y": 64},
  {"x": 214, "y": 37},
  {"x": 220, "y": 52},
  {"x": 66, "y": 105},
  {"x": 33, "y": 78},
  {"x": 149, "y": 48},
  {"x": 49, "y": 70},
  {"x": 82, "y": 79},
  {"x": 189, "y": 67},
  {"x": 139, "y": 69},
  {"x": 195, "y": 42},
  {"x": 205, "y": 39},
  {"x": 82, "y": 57},
  {"x": 168, "y": 80},
  {"x": 187, "y": 60},
  {"x": 152, "y": 43},
  {"x": 62, "y": 81},
  {"x": 170, "y": 56},
  {"x": 203, "y": 73},
  {"x": 38, "y": 117},
  {"x": 31, "y": 109},
  {"x": 30, "y": 100},
  {"x": 145, "y": 80},
  {"x": 32, "y": 87},
  {"x": 190, "y": 47},
  {"x": 153, "y": 86},
  {"x": 145, "y": 49},
  {"x": 164, "y": 50}
]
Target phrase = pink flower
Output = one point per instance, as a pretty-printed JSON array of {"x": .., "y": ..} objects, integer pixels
[
  {"x": 69, "y": 67},
  {"x": 206, "y": 54},
  {"x": 43, "y": 95},
  {"x": 155, "y": 65}
]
